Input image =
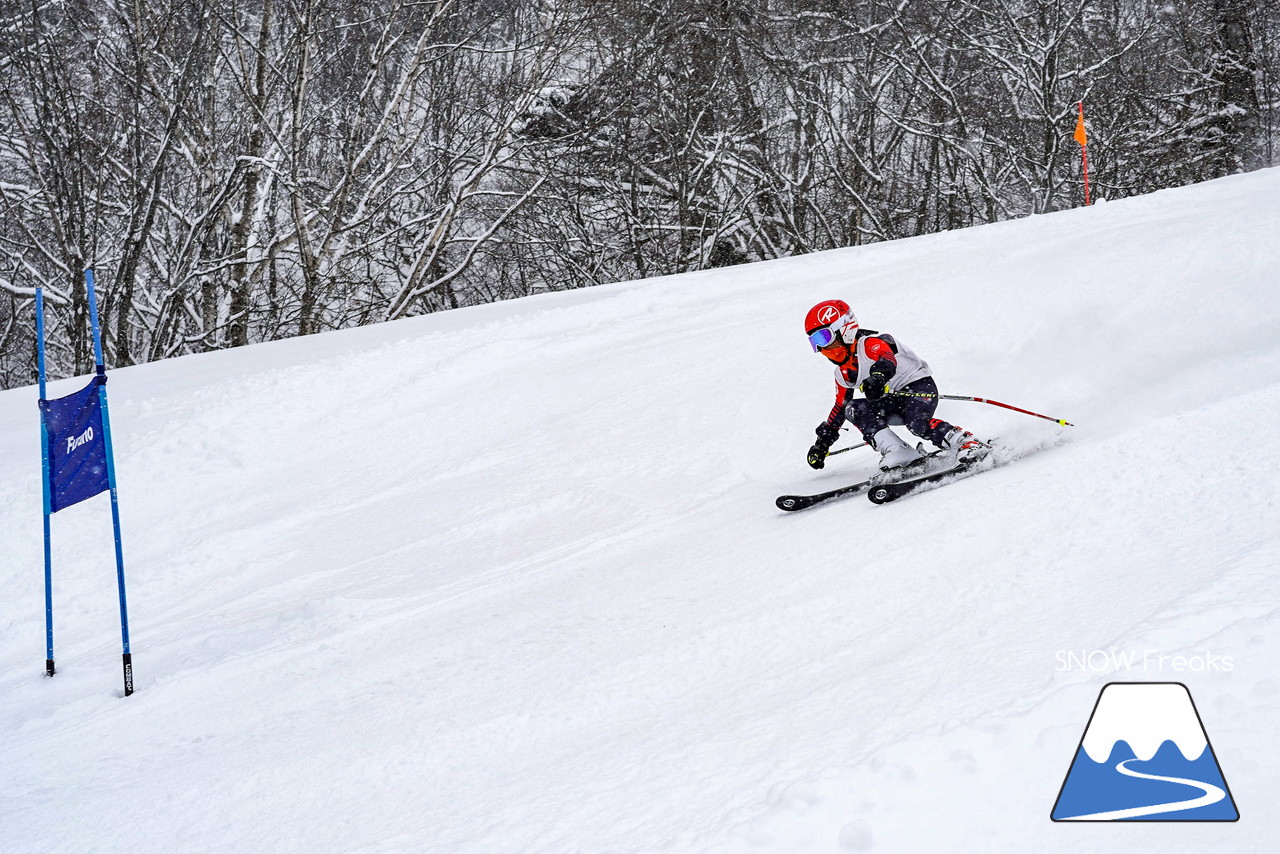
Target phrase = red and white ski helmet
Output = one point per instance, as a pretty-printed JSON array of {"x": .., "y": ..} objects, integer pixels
[{"x": 829, "y": 319}]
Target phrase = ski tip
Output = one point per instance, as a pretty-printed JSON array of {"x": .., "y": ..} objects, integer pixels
[
  {"x": 883, "y": 494},
  {"x": 790, "y": 502}
]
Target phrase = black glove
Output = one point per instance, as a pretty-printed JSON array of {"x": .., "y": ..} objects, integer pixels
[
  {"x": 827, "y": 436},
  {"x": 874, "y": 385}
]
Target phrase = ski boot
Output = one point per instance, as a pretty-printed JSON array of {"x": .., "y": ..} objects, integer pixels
[
  {"x": 894, "y": 453},
  {"x": 968, "y": 448}
]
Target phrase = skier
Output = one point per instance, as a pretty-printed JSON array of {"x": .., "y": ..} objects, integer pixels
[{"x": 896, "y": 384}]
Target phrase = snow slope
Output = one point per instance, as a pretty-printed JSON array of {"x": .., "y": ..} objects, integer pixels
[{"x": 510, "y": 578}]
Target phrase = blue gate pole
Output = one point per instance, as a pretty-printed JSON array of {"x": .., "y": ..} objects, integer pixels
[
  {"x": 101, "y": 371},
  {"x": 44, "y": 465}
]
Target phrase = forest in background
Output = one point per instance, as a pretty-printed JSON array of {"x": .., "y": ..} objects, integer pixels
[{"x": 238, "y": 172}]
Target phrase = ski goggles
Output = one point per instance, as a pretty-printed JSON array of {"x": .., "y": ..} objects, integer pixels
[
  {"x": 828, "y": 335},
  {"x": 825, "y": 336},
  {"x": 822, "y": 338}
]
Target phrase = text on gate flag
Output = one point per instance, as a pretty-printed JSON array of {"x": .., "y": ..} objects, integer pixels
[{"x": 77, "y": 450}]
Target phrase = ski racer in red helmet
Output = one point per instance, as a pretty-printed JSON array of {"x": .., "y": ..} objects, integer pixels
[{"x": 895, "y": 383}]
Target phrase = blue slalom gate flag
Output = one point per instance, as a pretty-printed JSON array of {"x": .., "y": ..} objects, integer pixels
[
  {"x": 77, "y": 447},
  {"x": 76, "y": 458}
]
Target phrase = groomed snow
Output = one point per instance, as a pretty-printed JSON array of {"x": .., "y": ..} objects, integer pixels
[{"x": 510, "y": 578}]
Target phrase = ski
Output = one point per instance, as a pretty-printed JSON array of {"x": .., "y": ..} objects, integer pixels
[
  {"x": 803, "y": 502},
  {"x": 934, "y": 469},
  {"x": 883, "y": 493}
]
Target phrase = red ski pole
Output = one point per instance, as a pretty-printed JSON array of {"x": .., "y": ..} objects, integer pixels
[
  {"x": 982, "y": 400},
  {"x": 1005, "y": 406}
]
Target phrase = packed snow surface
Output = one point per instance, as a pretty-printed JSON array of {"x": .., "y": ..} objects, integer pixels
[{"x": 511, "y": 578}]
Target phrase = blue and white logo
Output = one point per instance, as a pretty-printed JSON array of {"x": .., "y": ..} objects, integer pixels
[{"x": 1145, "y": 756}]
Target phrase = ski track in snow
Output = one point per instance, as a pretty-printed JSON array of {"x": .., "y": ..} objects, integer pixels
[{"x": 510, "y": 578}]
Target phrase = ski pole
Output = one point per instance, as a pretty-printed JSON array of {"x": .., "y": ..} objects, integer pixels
[
  {"x": 850, "y": 448},
  {"x": 1006, "y": 406},
  {"x": 982, "y": 400}
]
